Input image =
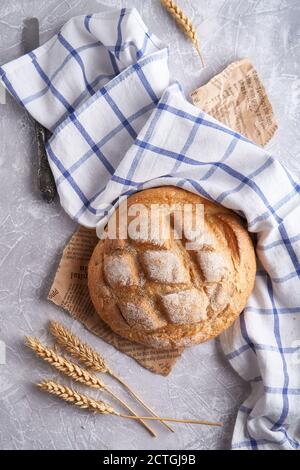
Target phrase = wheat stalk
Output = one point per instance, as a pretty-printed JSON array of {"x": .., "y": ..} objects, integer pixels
[
  {"x": 82, "y": 401},
  {"x": 90, "y": 358},
  {"x": 75, "y": 372},
  {"x": 185, "y": 24}
]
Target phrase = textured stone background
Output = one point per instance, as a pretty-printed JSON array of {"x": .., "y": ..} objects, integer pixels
[{"x": 34, "y": 234}]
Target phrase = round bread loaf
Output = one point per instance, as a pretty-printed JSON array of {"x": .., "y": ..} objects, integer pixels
[{"x": 175, "y": 290}]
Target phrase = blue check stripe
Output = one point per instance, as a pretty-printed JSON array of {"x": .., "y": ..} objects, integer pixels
[
  {"x": 119, "y": 39},
  {"x": 276, "y": 206},
  {"x": 226, "y": 168},
  {"x": 282, "y": 391},
  {"x": 269, "y": 311},
  {"x": 124, "y": 181},
  {"x": 100, "y": 211},
  {"x": 285, "y": 399},
  {"x": 60, "y": 124},
  {"x": 85, "y": 200},
  {"x": 262, "y": 347},
  {"x": 238, "y": 188},
  {"x": 55, "y": 75},
  {"x": 245, "y": 333},
  {"x": 167, "y": 153},
  {"x": 71, "y": 181},
  {"x": 121, "y": 46},
  {"x": 247, "y": 181},
  {"x": 137, "y": 67},
  {"x": 270, "y": 246},
  {"x": 74, "y": 53},
  {"x": 288, "y": 244},
  {"x": 195, "y": 185},
  {"x": 94, "y": 147},
  {"x": 107, "y": 138},
  {"x": 137, "y": 158},
  {"x": 237, "y": 352},
  {"x": 124, "y": 121},
  {"x": 231, "y": 147},
  {"x": 294, "y": 444},
  {"x": 77, "y": 51},
  {"x": 51, "y": 87},
  {"x": 140, "y": 52},
  {"x": 185, "y": 148},
  {"x": 87, "y": 20},
  {"x": 282, "y": 429},
  {"x": 287, "y": 277},
  {"x": 205, "y": 122},
  {"x": 160, "y": 56},
  {"x": 262, "y": 442},
  {"x": 295, "y": 185}
]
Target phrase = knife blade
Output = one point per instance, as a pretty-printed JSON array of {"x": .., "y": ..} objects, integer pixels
[
  {"x": 45, "y": 180},
  {"x": 30, "y": 34}
]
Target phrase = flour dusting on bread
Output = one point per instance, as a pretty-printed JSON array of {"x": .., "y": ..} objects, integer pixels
[
  {"x": 183, "y": 307},
  {"x": 165, "y": 266},
  {"x": 141, "y": 315},
  {"x": 119, "y": 270},
  {"x": 212, "y": 265}
]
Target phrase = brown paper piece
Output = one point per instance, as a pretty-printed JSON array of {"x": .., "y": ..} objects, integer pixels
[
  {"x": 70, "y": 291},
  {"x": 238, "y": 98}
]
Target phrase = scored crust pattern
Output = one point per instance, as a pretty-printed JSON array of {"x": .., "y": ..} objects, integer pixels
[{"x": 159, "y": 293}]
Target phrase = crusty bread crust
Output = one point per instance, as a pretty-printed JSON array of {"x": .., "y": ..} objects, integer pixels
[{"x": 166, "y": 296}]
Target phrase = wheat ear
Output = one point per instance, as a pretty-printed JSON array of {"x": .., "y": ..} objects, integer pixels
[
  {"x": 185, "y": 24},
  {"x": 76, "y": 398},
  {"x": 82, "y": 401},
  {"x": 72, "y": 344},
  {"x": 90, "y": 358},
  {"x": 76, "y": 372}
]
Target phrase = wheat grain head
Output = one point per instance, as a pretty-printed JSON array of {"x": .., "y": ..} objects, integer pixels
[
  {"x": 81, "y": 351},
  {"x": 184, "y": 23}
]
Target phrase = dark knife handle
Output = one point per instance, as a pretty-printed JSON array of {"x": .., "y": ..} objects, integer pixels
[{"x": 45, "y": 179}]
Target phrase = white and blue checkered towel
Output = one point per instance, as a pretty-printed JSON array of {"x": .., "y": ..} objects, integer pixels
[{"x": 102, "y": 86}]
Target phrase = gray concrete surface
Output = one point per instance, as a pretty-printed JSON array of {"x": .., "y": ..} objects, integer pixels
[{"x": 33, "y": 234}]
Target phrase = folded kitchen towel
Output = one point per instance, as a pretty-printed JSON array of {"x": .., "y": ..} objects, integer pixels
[{"x": 102, "y": 86}]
